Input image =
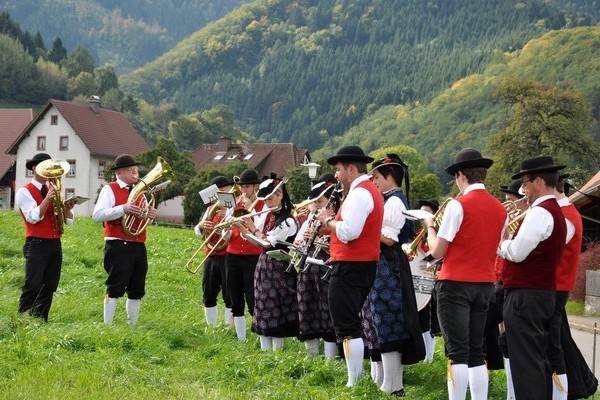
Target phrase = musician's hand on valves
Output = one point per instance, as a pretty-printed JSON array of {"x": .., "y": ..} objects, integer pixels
[
  {"x": 150, "y": 213},
  {"x": 206, "y": 225},
  {"x": 131, "y": 209},
  {"x": 50, "y": 195},
  {"x": 427, "y": 222}
]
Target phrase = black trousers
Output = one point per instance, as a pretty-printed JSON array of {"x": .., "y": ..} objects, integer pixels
[
  {"x": 462, "y": 309},
  {"x": 240, "y": 282},
  {"x": 349, "y": 285},
  {"x": 214, "y": 281},
  {"x": 527, "y": 315},
  {"x": 556, "y": 356},
  {"x": 43, "y": 262},
  {"x": 127, "y": 265}
]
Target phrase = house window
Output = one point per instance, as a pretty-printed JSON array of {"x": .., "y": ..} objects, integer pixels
[
  {"x": 232, "y": 157},
  {"x": 64, "y": 143},
  {"x": 101, "y": 169},
  {"x": 248, "y": 156},
  {"x": 69, "y": 192},
  {"x": 28, "y": 172},
  {"x": 54, "y": 120},
  {"x": 41, "y": 143},
  {"x": 218, "y": 156},
  {"x": 72, "y": 170}
]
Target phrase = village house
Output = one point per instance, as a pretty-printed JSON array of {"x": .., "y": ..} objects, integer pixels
[{"x": 87, "y": 136}]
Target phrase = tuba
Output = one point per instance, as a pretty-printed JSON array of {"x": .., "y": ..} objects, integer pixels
[
  {"x": 142, "y": 195},
  {"x": 53, "y": 170}
]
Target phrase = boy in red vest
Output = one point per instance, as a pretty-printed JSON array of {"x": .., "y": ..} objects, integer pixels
[
  {"x": 529, "y": 278},
  {"x": 125, "y": 258},
  {"x": 354, "y": 250},
  {"x": 42, "y": 250},
  {"x": 467, "y": 239}
]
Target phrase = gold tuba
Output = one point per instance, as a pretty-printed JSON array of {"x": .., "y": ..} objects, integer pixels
[
  {"x": 411, "y": 248},
  {"x": 53, "y": 170},
  {"x": 162, "y": 172}
]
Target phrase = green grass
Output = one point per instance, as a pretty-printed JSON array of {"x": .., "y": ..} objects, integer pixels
[
  {"x": 575, "y": 307},
  {"x": 170, "y": 354}
]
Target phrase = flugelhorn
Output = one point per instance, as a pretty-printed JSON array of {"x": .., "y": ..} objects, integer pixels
[
  {"x": 53, "y": 171},
  {"x": 411, "y": 248},
  {"x": 515, "y": 214},
  {"x": 142, "y": 195}
]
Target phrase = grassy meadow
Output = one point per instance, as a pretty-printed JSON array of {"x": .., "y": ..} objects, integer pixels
[{"x": 170, "y": 354}]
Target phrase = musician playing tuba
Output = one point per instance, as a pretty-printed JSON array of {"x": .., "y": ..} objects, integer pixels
[
  {"x": 214, "y": 273},
  {"x": 125, "y": 259},
  {"x": 43, "y": 252}
]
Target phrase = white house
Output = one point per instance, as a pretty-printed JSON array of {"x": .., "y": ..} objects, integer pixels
[{"x": 87, "y": 136}]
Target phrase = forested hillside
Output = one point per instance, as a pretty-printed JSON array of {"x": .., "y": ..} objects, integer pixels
[
  {"x": 472, "y": 110},
  {"x": 123, "y": 33},
  {"x": 306, "y": 71}
]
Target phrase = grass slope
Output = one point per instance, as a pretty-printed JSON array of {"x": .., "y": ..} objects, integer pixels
[{"x": 170, "y": 354}]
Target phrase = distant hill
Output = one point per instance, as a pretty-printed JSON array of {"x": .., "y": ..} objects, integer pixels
[
  {"x": 468, "y": 113},
  {"x": 306, "y": 71},
  {"x": 124, "y": 33}
]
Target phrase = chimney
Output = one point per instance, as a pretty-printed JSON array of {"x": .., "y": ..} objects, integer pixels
[
  {"x": 94, "y": 102},
  {"x": 223, "y": 145}
]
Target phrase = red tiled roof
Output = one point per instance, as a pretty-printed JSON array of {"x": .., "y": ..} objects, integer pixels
[
  {"x": 12, "y": 123},
  {"x": 592, "y": 187},
  {"x": 266, "y": 157},
  {"x": 107, "y": 133}
]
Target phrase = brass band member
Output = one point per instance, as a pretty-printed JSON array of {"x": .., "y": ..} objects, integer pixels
[
  {"x": 214, "y": 269},
  {"x": 242, "y": 256},
  {"x": 125, "y": 258},
  {"x": 313, "y": 291},
  {"x": 275, "y": 305},
  {"x": 42, "y": 250},
  {"x": 392, "y": 298},
  {"x": 354, "y": 249},
  {"x": 529, "y": 276},
  {"x": 467, "y": 239}
]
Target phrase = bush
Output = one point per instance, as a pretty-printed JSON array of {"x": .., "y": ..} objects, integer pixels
[{"x": 588, "y": 261}]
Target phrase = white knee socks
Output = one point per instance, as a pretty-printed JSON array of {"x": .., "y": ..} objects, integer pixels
[
  {"x": 133, "y": 310},
  {"x": 560, "y": 387},
  {"x": 429, "y": 346},
  {"x": 228, "y": 317},
  {"x": 377, "y": 372},
  {"x": 266, "y": 343},
  {"x": 240, "y": 327},
  {"x": 110, "y": 305},
  {"x": 510, "y": 388},
  {"x": 211, "y": 315},
  {"x": 312, "y": 347},
  {"x": 458, "y": 381},
  {"x": 478, "y": 382},
  {"x": 354, "y": 350},
  {"x": 392, "y": 372},
  {"x": 331, "y": 350}
]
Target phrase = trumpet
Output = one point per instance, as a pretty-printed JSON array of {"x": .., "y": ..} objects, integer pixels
[
  {"x": 515, "y": 214},
  {"x": 411, "y": 248}
]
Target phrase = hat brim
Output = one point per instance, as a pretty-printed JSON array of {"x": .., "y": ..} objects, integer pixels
[
  {"x": 31, "y": 163},
  {"x": 428, "y": 204},
  {"x": 478, "y": 163},
  {"x": 385, "y": 164},
  {"x": 116, "y": 167},
  {"x": 254, "y": 182},
  {"x": 349, "y": 157},
  {"x": 537, "y": 170}
]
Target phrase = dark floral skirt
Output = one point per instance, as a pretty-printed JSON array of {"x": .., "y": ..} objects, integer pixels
[{"x": 313, "y": 306}]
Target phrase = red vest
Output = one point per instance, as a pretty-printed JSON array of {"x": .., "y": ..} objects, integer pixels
[
  {"x": 538, "y": 270},
  {"x": 114, "y": 228},
  {"x": 471, "y": 256},
  {"x": 567, "y": 269},
  {"x": 45, "y": 228},
  {"x": 239, "y": 245},
  {"x": 366, "y": 246}
]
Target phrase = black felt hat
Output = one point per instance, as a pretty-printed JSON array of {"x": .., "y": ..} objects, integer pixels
[
  {"x": 325, "y": 177},
  {"x": 269, "y": 186},
  {"x": 432, "y": 203},
  {"x": 123, "y": 161},
  {"x": 513, "y": 188},
  {"x": 221, "y": 181},
  {"x": 535, "y": 165},
  {"x": 249, "y": 177},
  {"x": 390, "y": 160},
  {"x": 350, "y": 153},
  {"x": 38, "y": 158},
  {"x": 468, "y": 158}
]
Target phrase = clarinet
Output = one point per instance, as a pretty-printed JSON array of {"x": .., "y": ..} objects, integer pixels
[{"x": 313, "y": 236}]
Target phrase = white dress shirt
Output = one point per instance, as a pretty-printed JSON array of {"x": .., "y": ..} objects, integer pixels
[
  {"x": 454, "y": 214},
  {"x": 25, "y": 202},
  {"x": 356, "y": 207},
  {"x": 282, "y": 231},
  {"x": 393, "y": 218},
  {"x": 536, "y": 227},
  {"x": 570, "y": 227}
]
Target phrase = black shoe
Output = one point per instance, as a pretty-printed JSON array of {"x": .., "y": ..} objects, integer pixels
[{"x": 399, "y": 393}]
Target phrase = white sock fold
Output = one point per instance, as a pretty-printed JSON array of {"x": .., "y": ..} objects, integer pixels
[
  {"x": 560, "y": 389},
  {"x": 312, "y": 347},
  {"x": 458, "y": 381},
  {"x": 510, "y": 388},
  {"x": 278, "y": 343},
  {"x": 354, "y": 350},
  {"x": 429, "y": 346},
  {"x": 266, "y": 343},
  {"x": 240, "y": 327},
  {"x": 330, "y": 350},
  {"x": 132, "y": 306},
  {"x": 211, "y": 315},
  {"x": 228, "y": 317},
  {"x": 392, "y": 372},
  {"x": 377, "y": 372},
  {"x": 110, "y": 305},
  {"x": 478, "y": 382}
]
